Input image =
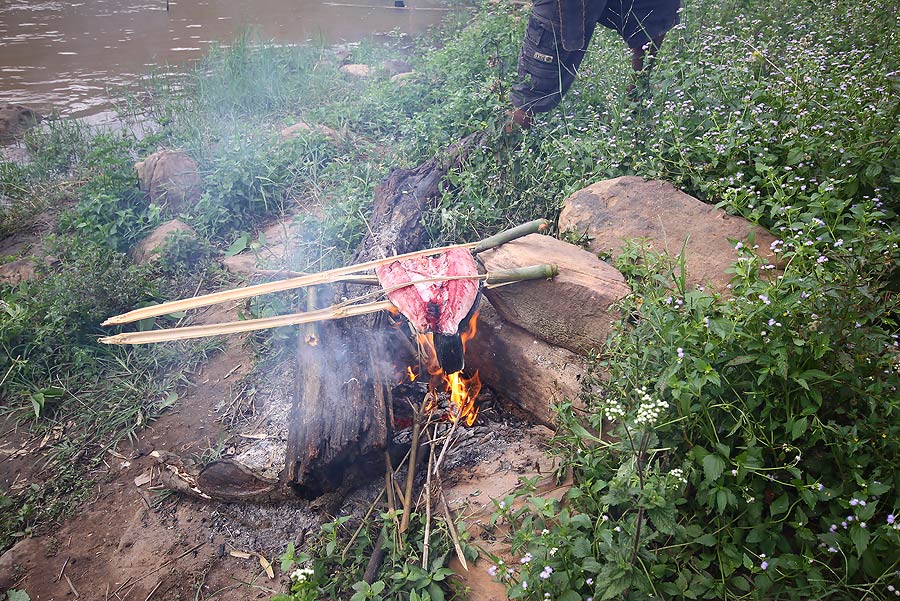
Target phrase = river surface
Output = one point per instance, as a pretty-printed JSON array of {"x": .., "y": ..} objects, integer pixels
[{"x": 75, "y": 57}]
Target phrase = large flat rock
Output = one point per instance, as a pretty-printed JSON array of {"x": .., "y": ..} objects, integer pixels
[
  {"x": 574, "y": 310},
  {"x": 615, "y": 210},
  {"x": 523, "y": 369}
]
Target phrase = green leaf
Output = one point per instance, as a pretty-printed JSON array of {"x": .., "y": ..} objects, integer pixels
[
  {"x": 238, "y": 245},
  {"x": 713, "y": 466},
  {"x": 17, "y": 595},
  {"x": 721, "y": 500},
  {"x": 435, "y": 592},
  {"x": 591, "y": 565},
  {"x": 37, "y": 403},
  {"x": 780, "y": 505},
  {"x": 860, "y": 538},
  {"x": 287, "y": 560},
  {"x": 569, "y": 596},
  {"x": 877, "y": 488},
  {"x": 799, "y": 427},
  {"x": 581, "y": 548},
  {"x": 663, "y": 519},
  {"x": 741, "y": 360},
  {"x": 707, "y": 540}
]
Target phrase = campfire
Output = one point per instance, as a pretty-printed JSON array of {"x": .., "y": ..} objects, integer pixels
[
  {"x": 462, "y": 390},
  {"x": 339, "y": 428}
]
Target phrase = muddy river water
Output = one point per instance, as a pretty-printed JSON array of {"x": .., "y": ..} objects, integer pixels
[{"x": 74, "y": 56}]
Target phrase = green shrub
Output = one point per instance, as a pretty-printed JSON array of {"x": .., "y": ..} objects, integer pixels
[{"x": 755, "y": 433}]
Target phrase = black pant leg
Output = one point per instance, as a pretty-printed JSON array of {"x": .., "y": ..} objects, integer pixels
[{"x": 546, "y": 69}]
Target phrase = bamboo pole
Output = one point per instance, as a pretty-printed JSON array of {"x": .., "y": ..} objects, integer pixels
[
  {"x": 325, "y": 277},
  {"x": 236, "y": 327},
  {"x": 339, "y": 311}
]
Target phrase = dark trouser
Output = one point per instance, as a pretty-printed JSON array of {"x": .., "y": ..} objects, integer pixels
[{"x": 549, "y": 61}]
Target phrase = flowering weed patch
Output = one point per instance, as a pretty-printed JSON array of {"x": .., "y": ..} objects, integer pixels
[{"x": 751, "y": 439}]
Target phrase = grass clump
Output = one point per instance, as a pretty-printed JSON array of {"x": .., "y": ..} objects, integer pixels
[{"x": 751, "y": 426}]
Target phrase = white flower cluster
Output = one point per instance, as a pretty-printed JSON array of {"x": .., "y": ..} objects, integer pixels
[
  {"x": 678, "y": 474},
  {"x": 614, "y": 409},
  {"x": 649, "y": 410},
  {"x": 302, "y": 574}
]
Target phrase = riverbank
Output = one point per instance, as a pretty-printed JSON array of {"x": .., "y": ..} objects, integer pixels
[{"x": 780, "y": 394}]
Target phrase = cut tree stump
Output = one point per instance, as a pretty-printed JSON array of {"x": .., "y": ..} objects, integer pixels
[{"x": 337, "y": 430}]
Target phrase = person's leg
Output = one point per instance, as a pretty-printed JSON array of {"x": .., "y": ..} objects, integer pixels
[{"x": 546, "y": 69}]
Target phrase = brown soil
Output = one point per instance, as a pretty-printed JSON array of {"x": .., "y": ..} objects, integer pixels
[{"x": 115, "y": 542}]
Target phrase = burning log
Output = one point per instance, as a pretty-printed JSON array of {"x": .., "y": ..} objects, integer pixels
[{"x": 337, "y": 429}]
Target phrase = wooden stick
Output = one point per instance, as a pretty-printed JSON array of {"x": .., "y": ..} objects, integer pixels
[
  {"x": 362, "y": 280},
  {"x": 361, "y": 525},
  {"x": 451, "y": 524},
  {"x": 427, "y": 542},
  {"x": 440, "y": 459},
  {"x": 411, "y": 471},
  {"x": 375, "y": 560},
  {"x": 532, "y": 227},
  {"x": 62, "y": 569},
  {"x": 235, "y": 327},
  {"x": 71, "y": 586},
  {"x": 339, "y": 311},
  {"x": 324, "y": 277},
  {"x": 147, "y": 598}
]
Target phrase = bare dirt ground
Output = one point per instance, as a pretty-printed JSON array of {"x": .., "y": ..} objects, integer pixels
[{"x": 119, "y": 544}]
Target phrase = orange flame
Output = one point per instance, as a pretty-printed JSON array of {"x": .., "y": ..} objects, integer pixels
[
  {"x": 411, "y": 374},
  {"x": 463, "y": 391}
]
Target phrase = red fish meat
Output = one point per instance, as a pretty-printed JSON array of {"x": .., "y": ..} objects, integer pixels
[{"x": 437, "y": 307}]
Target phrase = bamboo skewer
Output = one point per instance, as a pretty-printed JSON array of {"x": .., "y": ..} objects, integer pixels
[
  {"x": 325, "y": 277},
  {"x": 339, "y": 311},
  {"x": 236, "y": 327}
]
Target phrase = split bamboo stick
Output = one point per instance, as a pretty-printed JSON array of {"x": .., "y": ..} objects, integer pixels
[
  {"x": 339, "y": 311},
  {"x": 236, "y": 327},
  {"x": 325, "y": 277}
]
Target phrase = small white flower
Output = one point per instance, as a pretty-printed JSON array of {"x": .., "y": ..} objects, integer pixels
[{"x": 302, "y": 574}]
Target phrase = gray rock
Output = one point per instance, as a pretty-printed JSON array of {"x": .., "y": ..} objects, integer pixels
[
  {"x": 519, "y": 367},
  {"x": 149, "y": 249},
  {"x": 14, "y": 272},
  {"x": 357, "y": 70},
  {"x": 15, "y": 118},
  {"x": 302, "y": 128},
  {"x": 170, "y": 178},
  {"x": 396, "y": 67}
]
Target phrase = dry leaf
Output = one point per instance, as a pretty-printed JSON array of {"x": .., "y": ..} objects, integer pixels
[
  {"x": 240, "y": 554},
  {"x": 266, "y": 566},
  {"x": 143, "y": 479}
]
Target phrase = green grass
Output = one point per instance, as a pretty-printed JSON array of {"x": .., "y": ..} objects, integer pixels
[{"x": 782, "y": 112}]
